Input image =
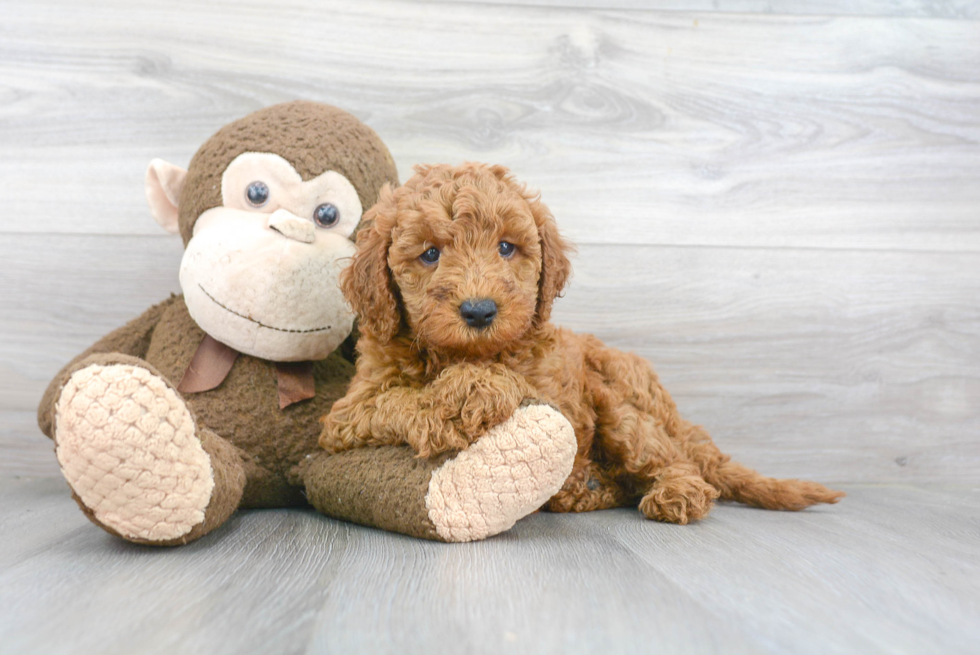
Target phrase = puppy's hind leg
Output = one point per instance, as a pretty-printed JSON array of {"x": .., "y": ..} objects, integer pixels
[
  {"x": 678, "y": 495},
  {"x": 671, "y": 488},
  {"x": 636, "y": 422},
  {"x": 590, "y": 488}
]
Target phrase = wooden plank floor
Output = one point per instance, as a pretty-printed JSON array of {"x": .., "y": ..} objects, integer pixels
[{"x": 892, "y": 569}]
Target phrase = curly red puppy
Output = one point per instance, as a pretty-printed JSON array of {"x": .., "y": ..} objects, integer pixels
[{"x": 453, "y": 284}]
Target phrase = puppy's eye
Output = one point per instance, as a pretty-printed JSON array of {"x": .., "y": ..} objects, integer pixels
[
  {"x": 257, "y": 193},
  {"x": 430, "y": 256},
  {"x": 326, "y": 215},
  {"x": 506, "y": 248}
]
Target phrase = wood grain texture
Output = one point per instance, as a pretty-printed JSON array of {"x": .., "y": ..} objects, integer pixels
[
  {"x": 780, "y": 212},
  {"x": 960, "y": 9},
  {"x": 846, "y": 366},
  {"x": 638, "y": 126},
  {"x": 893, "y": 569}
]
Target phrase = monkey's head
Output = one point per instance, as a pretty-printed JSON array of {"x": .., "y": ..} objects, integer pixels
[{"x": 267, "y": 210}]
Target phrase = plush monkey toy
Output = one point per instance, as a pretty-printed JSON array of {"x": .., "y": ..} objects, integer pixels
[{"x": 210, "y": 401}]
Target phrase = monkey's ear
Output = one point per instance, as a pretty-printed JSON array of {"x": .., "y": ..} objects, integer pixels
[{"x": 163, "y": 184}]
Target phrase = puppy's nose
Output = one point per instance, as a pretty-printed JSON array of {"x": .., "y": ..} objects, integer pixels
[{"x": 478, "y": 313}]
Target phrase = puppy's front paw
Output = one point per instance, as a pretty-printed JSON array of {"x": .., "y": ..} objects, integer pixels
[
  {"x": 478, "y": 397},
  {"x": 337, "y": 434}
]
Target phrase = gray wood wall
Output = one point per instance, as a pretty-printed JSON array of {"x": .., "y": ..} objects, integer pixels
[{"x": 778, "y": 204}]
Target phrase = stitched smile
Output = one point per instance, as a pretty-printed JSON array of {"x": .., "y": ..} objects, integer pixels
[{"x": 259, "y": 323}]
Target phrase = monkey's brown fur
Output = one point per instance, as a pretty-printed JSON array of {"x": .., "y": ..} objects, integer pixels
[
  {"x": 426, "y": 378},
  {"x": 312, "y": 137}
]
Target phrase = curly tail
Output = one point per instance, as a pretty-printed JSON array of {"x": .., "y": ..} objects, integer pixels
[{"x": 743, "y": 485}]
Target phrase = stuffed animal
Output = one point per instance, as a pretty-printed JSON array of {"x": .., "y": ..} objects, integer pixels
[{"x": 209, "y": 401}]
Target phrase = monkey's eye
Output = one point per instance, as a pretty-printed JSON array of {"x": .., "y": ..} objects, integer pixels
[
  {"x": 430, "y": 256},
  {"x": 257, "y": 193},
  {"x": 506, "y": 248},
  {"x": 326, "y": 215}
]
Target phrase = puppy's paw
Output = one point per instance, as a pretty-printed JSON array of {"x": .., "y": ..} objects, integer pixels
[
  {"x": 678, "y": 499},
  {"x": 338, "y": 433},
  {"x": 477, "y": 397}
]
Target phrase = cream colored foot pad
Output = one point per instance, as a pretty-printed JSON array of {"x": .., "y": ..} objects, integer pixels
[
  {"x": 127, "y": 446},
  {"x": 506, "y": 475}
]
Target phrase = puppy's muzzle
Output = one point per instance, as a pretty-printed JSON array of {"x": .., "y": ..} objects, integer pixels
[{"x": 478, "y": 313}]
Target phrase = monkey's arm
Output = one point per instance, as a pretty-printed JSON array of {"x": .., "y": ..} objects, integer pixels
[
  {"x": 481, "y": 491},
  {"x": 452, "y": 412},
  {"x": 131, "y": 339}
]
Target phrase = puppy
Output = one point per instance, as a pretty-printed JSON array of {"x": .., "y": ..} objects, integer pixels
[{"x": 453, "y": 283}]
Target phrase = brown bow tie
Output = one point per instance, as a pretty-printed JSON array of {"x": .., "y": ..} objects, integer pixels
[{"x": 213, "y": 361}]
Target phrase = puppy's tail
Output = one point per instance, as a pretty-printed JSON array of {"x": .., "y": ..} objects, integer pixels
[{"x": 743, "y": 485}]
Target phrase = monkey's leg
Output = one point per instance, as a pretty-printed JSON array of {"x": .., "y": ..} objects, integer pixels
[
  {"x": 137, "y": 463},
  {"x": 505, "y": 475},
  {"x": 132, "y": 339}
]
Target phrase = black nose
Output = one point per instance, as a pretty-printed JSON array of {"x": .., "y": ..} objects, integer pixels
[{"x": 478, "y": 313}]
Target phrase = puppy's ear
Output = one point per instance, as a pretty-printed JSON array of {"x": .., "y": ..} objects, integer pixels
[
  {"x": 366, "y": 283},
  {"x": 555, "y": 266}
]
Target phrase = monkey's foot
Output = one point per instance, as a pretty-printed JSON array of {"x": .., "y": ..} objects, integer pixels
[
  {"x": 507, "y": 474},
  {"x": 128, "y": 447}
]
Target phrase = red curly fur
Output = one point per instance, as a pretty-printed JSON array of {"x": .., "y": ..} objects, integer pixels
[{"x": 427, "y": 379}]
